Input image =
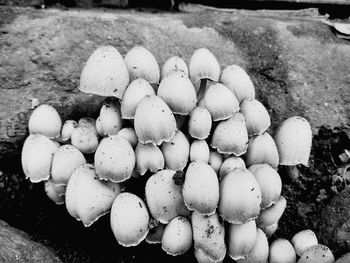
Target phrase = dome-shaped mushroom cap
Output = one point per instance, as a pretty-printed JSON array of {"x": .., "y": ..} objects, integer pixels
[
  {"x": 55, "y": 192},
  {"x": 199, "y": 151},
  {"x": 148, "y": 157},
  {"x": 65, "y": 160},
  {"x": 164, "y": 196},
  {"x": 231, "y": 136},
  {"x": 202, "y": 257},
  {"x": 45, "y": 120},
  {"x": 240, "y": 197},
  {"x": 344, "y": 258},
  {"x": 281, "y": 250},
  {"x": 84, "y": 140},
  {"x": 200, "y": 122},
  {"x": 256, "y": 116},
  {"x": 142, "y": 64},
  {"x": 37, "y": 154},
  {"x": 272, "y": 214},
  {"x": 87, "y": 197},
  {"x": 114, "y": 159},
  {"x": 215, "y": 161},
  {"x": 237, "y": 80},
  {"x": 133, "y": 95},
  {"x": 67, "y": 129},
  {"x": 178, "y": 93},
  {"x": 204, "y": 65},
  {"x": 88, "y": 122},
  {"x": 130, "y": 135},
  {"x": 129, "y": 219},
  {"x": 293, "y": 140},
  {"x": 220, "y": 102},
  {"x": 317, "y": 254},
  {"x": 177, "y": 236},
  {"x": 230, "y": 164},
  {"x": 105, "y": 73},
  {"x": 154, "y": 122},
  {"x": 173, "y": 64},
  {"x": 303, "y": 240},
  {"x": 110, "y": 117}
]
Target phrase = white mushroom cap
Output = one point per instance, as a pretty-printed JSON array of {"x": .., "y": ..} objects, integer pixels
[
  {"x": 230, "y": 164},
  {"x": 293, "y": 140},
  {"x": 148, "y": 157},
  {"x": 45, "y": 120},
  {"x": 130, "y": 135},
  {"x": 303, "y": 240},
  {"x": 199, "y": 151},
  {"x": 142, "y": 64},
  {"x": 272, "y": 214},
  {"x": 37, "y": 154},
  {"x": 281, "y": 250},
  {"x": 105, "y": 73},
  {"x": 55, "y": 192},
  {"x": 202, "y": 257},
  {"x": 237, "y": 80},
  {"x": 215, "y": 161},
  {"x": 133, "y": 95},
  {"x": 88, "y": 198},
  {"x": 88, "y": 122},
  {"x": 177, "y": 236},
  {"x": 67, "y": 129},
  {"x": 200, "y": 122},
  {"x": 110, "y": 118},
  {"x": 172, "y": 64},
  {"x": 84, "y": 140},
  {"x": 129, "y": 219},
  {"x": 154, "y": 122},
  {"x": 164, "y": 196},
  {"x": 270, "y": 230},
  {"x": 114, "y": 159},
  {"x": 317, "y": 254}
]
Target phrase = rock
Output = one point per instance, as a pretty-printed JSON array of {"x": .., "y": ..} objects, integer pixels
[{"x": 16, "y": 246}]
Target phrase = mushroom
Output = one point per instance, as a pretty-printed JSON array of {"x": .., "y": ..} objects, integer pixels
[
  {"x": 174, "y": 63},
  {"x": 129, "y": 219},
  {"x": 201, "y": 188},
  {"x": 229, "y": 165},
  {"x": 89, "y": 123},
  {"x": 293, "y": 140},
  {"x": 154, "y": 122},
  {"x": 55, "y": 192},
  {"x": 155, "y": 234},
  {"x": 231, "y": 136},
  {"x": 200, "y": 122},
  {"x": 344, "y": 258},
  {"x": 215, "y": 161},
  {"x": 281, "y": 250},
  {"x": 303, "y": 240},
  {"x": 142, "y": 64},
  {"x": 176, "y": 152},
  {"x": 177, "y": 236},
  {"x": 270, "y": 230},
  {"x": 45, "y": 120},
  {"x": 114, "y": 159},
  {"x": 84, "y": 140},
  {"x": 36, "y": 158},
  {"x": 202, "y": 257},
  {"x": 130, "y": 135},
  {"x": 148, "y": 157},
  {"x": 317, "y": 254},
  {"x": 88, "y": 198},
  {"x": 67, "y": 129},
  {"x": 135, "y": 92},
  {"x": 256, "y": 116},
  {"x": 271, "y": 215},
  {"x": 105, "y": 73},
  {"x": 164, "y": 196},
  {"x": 199, "y": 151},
  {"x": 110, "y": 117},
  {"x": 237, "y": 80},
  {"x": 240, "y": 197},
  {"x": 241, "y": 239},
  {"x": 178, "y": 92},
  {"x": 65, "y": 160}
]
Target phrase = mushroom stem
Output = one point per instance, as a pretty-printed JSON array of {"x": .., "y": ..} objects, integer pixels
[{"x": 202, "y": 89}]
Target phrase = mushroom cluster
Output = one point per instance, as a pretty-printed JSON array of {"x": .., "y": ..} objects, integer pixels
[{"x": 200, "y": 137}]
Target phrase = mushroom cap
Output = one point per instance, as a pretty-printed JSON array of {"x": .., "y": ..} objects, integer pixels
[
  {"x": 84, "y": 140},
  {"x": 88, "y": 122},
  {"x": 344, "y": 258},
  {"x": 173, "y": 64},
  {"x": 114, "y": 159},
  {"x": 154, "y": 121},
  {"x": 220, "y": 102},
  {"x": 271, "y": 215},
  {"x": 148, "y": 157},
  {"x": 110, "y": 118},
  {"x": 270, "y": 230},
  {"x": 262, "y": 149},
  {"x": 230, "y": 164},
  {"x": 201, "y": 188},
  {"x": 130, "y": 135},
  {"x": 88, "y": 198},
  {"x": 204, "y": 65},
  {"x": 129, "y": 219},
  {"x": 36, "y": 158},
  {"x": 256, "y": 116},
  {"x": 199, "y": 151},
  {"x": 303, "y": 240},
  {"x": 317, "y": 254},
  {"x": 231, "y": 136},
  {"x": 293, "y": 140},
  {"x": 142, "y": 64},
  {"x": 177, "y": 236},
  {"x": 237, "y": 80},
  {"x": 270, "y": 183},
  {"x": 104, "y": 73},
  {"x": 241, "y": 239},
  {"x": 65, "y": 160},
  {"x": 133, "y": 95},
  {"x": 215, "y": 161},
  {"x": 55, "y": 192},
  {"x": 164, "y": 197},
  {"x": 202, "y": 257},
  {"x": 240, "y": 197},
  {"x": 178, "y": 93},
  {"x": 45, "y": 120},
  {"x": 176, "y": 152},
  {"x": 199, "y": 124},
  {"x": 67, "y": 129},
  {"x": 281, "y": 250},
  {"x": 155, "y": 234}
]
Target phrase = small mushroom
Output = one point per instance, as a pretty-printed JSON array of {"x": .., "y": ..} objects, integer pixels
[
  {"x": 271, "y": 215},
  {"x": 230, "y": 164},
  {"x": 317, "y": 254},
  {"x": 55, "y": 192},
  {"x": 84, "y": 140},
  {"x": 215, "y": 161},
  {"x": 240, "y": 197},
  {"x": 293, "y": 140},
  {"x": 155, "y": 234},
  {"x": 303, "y": 240},
  {"x": 154, "y": 121},
  {"x": 200, "y": 122},
  {"x": 199, "y": 151},
  {"x": 67, "y": 129},
  {"x": 281, "y": 250},
  {"x": 114, "y": 159},
  {"x": 237, "y": 80},
  {"x": 177, "y": 236},
  {"x": 45, "y": 120},
  {"x": 130, "y": 135},
  {"x": 270, "y": 230},
  {"x": 110, "y": 118},
  {"x": 89, "y": 123},
  {"x": 202, "y": 257},
  {"x": 105, "y": 73},
  {"x": 174, "y": 63},
  {"x": 148, "y": 157},
  {"x": 129, "y": 219}
]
